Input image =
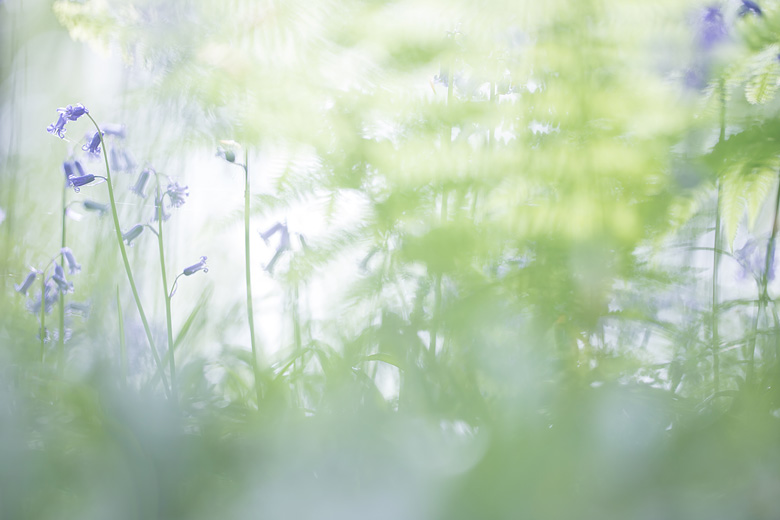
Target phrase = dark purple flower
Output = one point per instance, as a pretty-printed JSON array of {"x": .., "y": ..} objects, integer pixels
[
  {"x": 94, "y": 144},
  {"x": 194, "y": 268},
  {"x": 58, "y": 128},
  {"x": 750, "y": 7},
  {"x": 73, "y": 112},
  {"x": 28, "y": 281},
  {"x": 82, "y": 180}
]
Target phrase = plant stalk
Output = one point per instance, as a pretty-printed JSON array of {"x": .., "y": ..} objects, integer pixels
[{"x": 126, "y": 263}]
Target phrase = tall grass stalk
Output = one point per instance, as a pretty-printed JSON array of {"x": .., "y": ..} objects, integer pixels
[{"x": 126, "y": 262}]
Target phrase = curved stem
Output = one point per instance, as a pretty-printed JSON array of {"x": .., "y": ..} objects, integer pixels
[
  {"x": 249, "y": 308},
  {"x": 168, "y": 320},
  {"x": 126, "y": 262}
]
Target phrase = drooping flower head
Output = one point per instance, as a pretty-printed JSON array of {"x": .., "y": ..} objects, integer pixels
[
  {"x": 73, "y": 112},
  {"x": 91, "y": 205},
  {"x": 73, "y": 266},
  {"x": 143, "y": 181},
  {"x": 81, "y": 180},
  {"x": 132, "y": 234},
  {"x": 59, "y": 278},
  {"x": 58, "y": 128},
  {"x": 93, "y": 146},
  {"x": 69, "y": 113},
  {"x": 176, "y": 194},
  {"x": 28, "y": 281},
  {"x": 194, "y": 268}
]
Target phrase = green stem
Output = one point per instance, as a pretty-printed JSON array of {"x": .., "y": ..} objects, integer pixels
[
  {"x": 61, "y": 342},
  {"x": 716, "y": 256},
  {"x": 249, "y": 308},
  {"x": 122, "y": 346},
  {"x": 166, "y": 295},
  {"x": 126, "y": 262},
  {"x": 43, "y": 313}
]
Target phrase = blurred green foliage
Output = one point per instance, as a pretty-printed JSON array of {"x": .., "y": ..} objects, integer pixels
[{"x": 546, "y": 229}]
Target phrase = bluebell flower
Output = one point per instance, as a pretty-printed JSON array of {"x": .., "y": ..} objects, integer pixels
[
  {"x": 284, "y": 242},
  {"x": 67, "y": 167},
  {"x": 271, "y": 231},
  {"x": 73, "y": 266},
  {"x": 194, "y": 268},
  {"x": 713, "y": 28},
  {"x": 94, "y": 144},
  {"x": 132, "y": 234},
  {"x": 73, "y": 112},
  {"x": 143, "y": 181},
  {"x": 28, "y": 281},
  {"x": 750, "y": 7},
  {"x": 82, "y": 180},
  {"x": 91, "y": 205},
  {"x": 69, "y": 113},
  {"x": 59, "y": 278},
  {"x": 58, "y": 128},
  {"x": 176, "y": 194}
]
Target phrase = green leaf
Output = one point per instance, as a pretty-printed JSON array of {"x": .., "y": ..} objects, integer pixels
[{"x": 765, "y": 75}]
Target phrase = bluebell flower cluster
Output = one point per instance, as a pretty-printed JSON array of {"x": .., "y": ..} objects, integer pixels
[
  {"x": 69, "y": 113},
  {"x": 55, "y": 285}
]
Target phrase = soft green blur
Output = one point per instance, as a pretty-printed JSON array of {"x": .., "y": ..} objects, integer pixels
[{"x": 526, "y": 275}]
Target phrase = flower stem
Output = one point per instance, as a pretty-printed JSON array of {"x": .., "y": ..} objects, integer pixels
[
  {"x": 249, "y": 308},
  {"x": 43, "y": 313},
  {"x": 168, "y": 320},
  {"x": 716, "y": 257},
  {"x": 61, "y": 342},
  {"x": 122, "y": 346},
  {"x": 126, "y": 262}
]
